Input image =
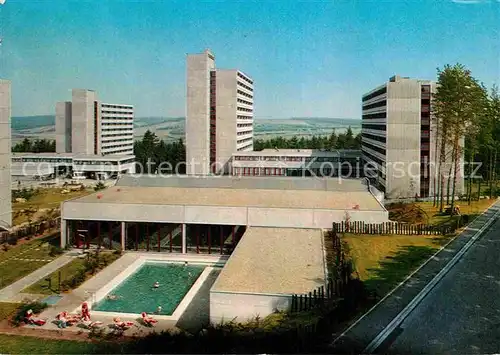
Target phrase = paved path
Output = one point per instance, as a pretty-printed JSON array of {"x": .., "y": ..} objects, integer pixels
[
  {"x": 362, "y": 333},
  {"x": 461, "y": 315},
  {"x": 10, "y": 292}
]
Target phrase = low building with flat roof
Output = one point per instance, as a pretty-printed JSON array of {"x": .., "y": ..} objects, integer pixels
[
  {"x": 268, "y": 266},
  {"x": 209, "y": 201},
  {"x": 46, "y": 165},
  {"x": 298, "y": 162}
]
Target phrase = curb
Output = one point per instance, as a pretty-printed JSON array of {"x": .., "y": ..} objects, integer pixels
[{"x": 379, "y": 339}]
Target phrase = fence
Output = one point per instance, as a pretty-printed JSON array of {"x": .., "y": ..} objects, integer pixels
[
  {"x": 359, "y": 227},
  {"x": 30, "y": 230},
  {"x": 318, "y": 297}
]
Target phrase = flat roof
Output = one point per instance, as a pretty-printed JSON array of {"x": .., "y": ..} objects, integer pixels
[
  {"x": 274, "y": 261},
  {"x": 199, "y": 196},
  {"x": 72, "y": 155},
  {"x": 301, "y": 152},
  {"x": 246, "y": 182}
]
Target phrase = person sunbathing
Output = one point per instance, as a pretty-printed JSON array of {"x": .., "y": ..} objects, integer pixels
[
  {"x": 30, "y": 319},
  {"x": 121, "y": 324},
  {"x": 148, "y": 320}
]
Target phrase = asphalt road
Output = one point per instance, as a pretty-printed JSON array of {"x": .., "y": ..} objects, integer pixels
[{"x": 462, "y": 313}]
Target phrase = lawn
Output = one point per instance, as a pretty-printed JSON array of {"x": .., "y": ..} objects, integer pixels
[
  {"x": 76, "y": 269},
  {"x": 7, "y": 309},
  {"x": 367, "y": 251},
  {"x": 14, "y": 269},
  {"x": 38, "y": 248},
  {"x": 435, "y": 218},
  {"x": 44, "y": 199},
  {"x": 68, "y": 271},
  {"x": 14, "y": 344}
]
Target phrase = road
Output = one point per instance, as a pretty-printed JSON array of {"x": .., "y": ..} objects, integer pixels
[{"x": 462, "y": 313}]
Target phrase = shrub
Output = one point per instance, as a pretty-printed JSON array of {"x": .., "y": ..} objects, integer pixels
[
  {"x": 20, "y": 314},
  {"x": 12, "y": 241},
  {"x": 99, "y": 186},
  {"x": 55, "y": 251}
]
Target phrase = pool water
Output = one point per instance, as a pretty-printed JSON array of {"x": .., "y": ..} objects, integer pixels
[{"x": 136, "y": 294}]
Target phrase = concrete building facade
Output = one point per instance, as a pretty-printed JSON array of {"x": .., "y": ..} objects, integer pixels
[
  {"x": 399, "y": 138},
  {"x": 297, "y": 162},
  {"x": 219, "y": 115},
  {"x": 87, "y": 126},
  {"x": 5, "y": 152}
]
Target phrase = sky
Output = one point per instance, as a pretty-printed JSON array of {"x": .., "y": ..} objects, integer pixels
[{"x": 307, "y": 59}]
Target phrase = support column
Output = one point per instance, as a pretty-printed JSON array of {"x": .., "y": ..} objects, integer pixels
[
  {"x": 64, "y": 233},
  {"x": 183, "y": 238},
  {"x": 123, "y": 235}
]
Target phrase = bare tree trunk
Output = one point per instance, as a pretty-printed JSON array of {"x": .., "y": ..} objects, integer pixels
[
  {"x": 456, "y": 162},
  {"x": 491, "y": 173},
  {"x": 469, "y": 178},
  {"x": 442, "y": 155},
  {"x": 495, "y": 171},
  {"x": 436, "y": 170},
  {"x": 449, "y": 181}
]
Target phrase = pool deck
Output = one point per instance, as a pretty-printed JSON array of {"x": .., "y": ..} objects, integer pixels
[
  {"x": 75, "y": 298},
  {"x": 275, "y": 261}
]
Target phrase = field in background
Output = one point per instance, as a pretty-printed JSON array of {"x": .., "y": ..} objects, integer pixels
[{"x": 172, "y": 128}]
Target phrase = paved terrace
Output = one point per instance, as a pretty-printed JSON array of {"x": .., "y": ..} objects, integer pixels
[
  {"x": 275, "y": 261},
  {"x": 195, "y": 315}
]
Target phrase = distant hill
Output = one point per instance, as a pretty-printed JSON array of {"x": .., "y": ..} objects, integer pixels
[
  {"x": 30, "y": 122},
  {"x": 173, "y": 128}
]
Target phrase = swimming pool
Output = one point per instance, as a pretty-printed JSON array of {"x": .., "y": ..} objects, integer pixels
[{"x": 136, "y": 293}]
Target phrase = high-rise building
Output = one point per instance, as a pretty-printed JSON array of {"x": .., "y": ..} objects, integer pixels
[
  {"x": 399, "y": 139},
  {"x": 5, "y": 158},
  {"x": 219, "y": 115},
  {"x": 86, "y": 125}
]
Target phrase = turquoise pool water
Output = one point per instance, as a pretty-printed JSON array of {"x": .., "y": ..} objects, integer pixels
[{"x": 136, "y": 294}]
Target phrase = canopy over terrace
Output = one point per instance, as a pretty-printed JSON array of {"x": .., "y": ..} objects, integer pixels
[{"x": 295, "y": 205}]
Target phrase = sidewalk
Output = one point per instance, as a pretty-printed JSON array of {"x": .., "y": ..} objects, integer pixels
[
  {"x": 355, "y": 340},
  {"x": 10, "y": 292}
]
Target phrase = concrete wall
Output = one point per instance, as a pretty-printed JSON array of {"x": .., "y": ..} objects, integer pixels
[
  {"x": 83, "y": 127},
  {"x": 224, "y": 307},
  {"x": 403, "y": 139},
  {"x": 63, "y": 127},
  {"x": 198, "y": 113},
  {"x": 251, "y": 216},
  {"x": 226, "y": 90},
  {"x": 5, "y": 154}
]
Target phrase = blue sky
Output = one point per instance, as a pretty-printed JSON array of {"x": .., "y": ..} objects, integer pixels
[{"x": 312, "y": 58}]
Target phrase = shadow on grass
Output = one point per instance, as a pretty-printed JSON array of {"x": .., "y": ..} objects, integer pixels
[{"x": 393, "y": 269}]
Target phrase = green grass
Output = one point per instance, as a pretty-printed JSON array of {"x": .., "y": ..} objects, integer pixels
[
  {"x": 473, "y": 210},
  {"x": 14, "y": 344},
  {"x": 370, "y": 252},
  {"x": 68, "y": 271},
  {"x": 13, "y": 270},
  {"x": 7, "y": 309},
  {"x": 40, "y": 248}
]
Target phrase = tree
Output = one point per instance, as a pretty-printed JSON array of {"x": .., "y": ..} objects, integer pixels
[
  {"x": 36, "y": 146},
  {"x": 458, "y": 102}
]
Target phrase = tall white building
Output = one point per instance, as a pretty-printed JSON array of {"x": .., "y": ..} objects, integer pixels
[
  {"x": 87, "y": 126},
  {"x": 219, "y": 115},
  {"x": 5, "y": 152},
  {"x": 399, "y": 138}
]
